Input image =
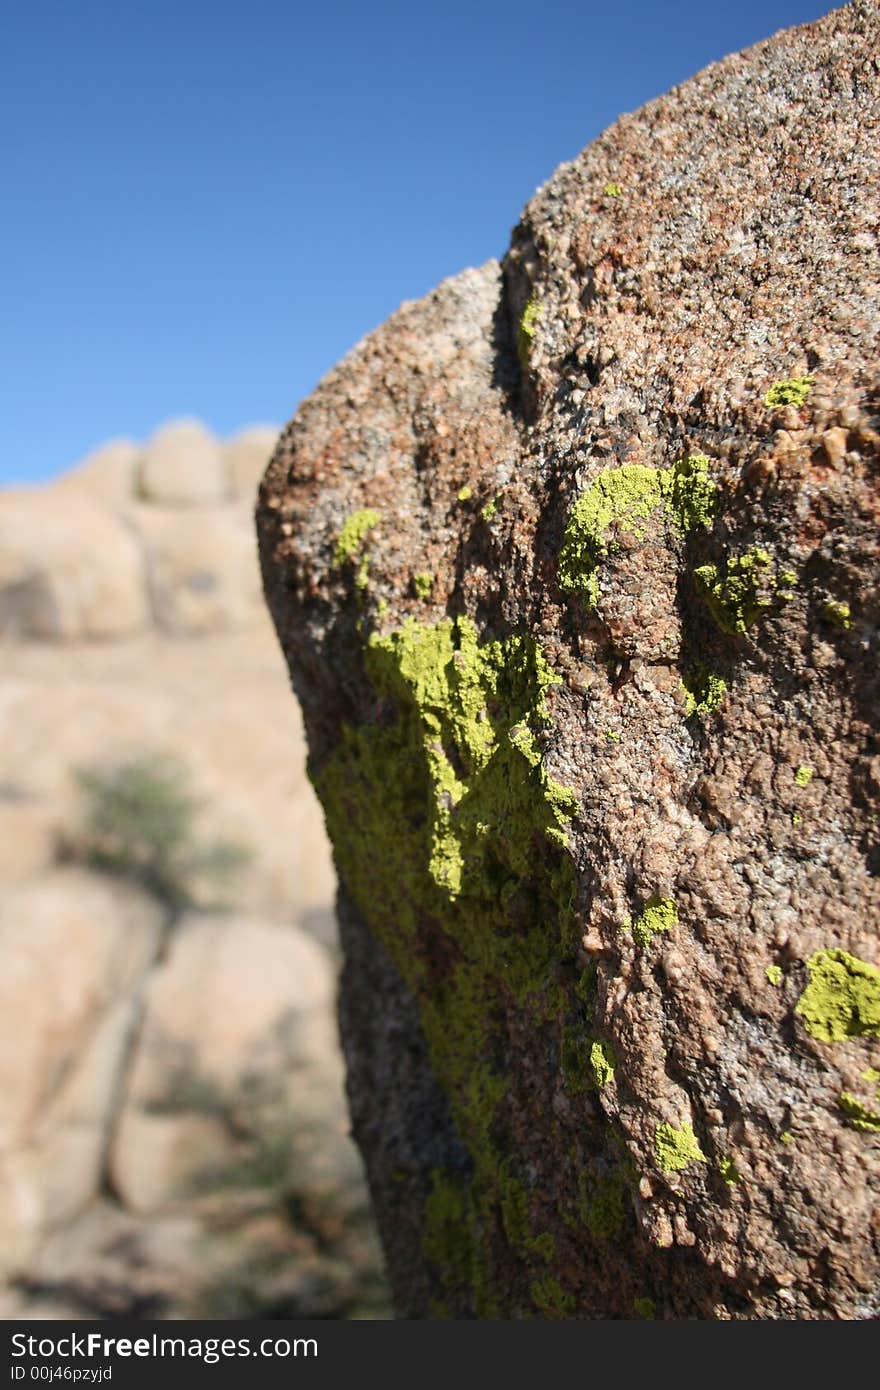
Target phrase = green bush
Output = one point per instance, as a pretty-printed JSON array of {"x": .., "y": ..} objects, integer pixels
[{"x": 138, "y": 821}]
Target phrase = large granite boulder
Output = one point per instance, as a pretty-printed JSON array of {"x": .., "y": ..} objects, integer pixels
[
  {"x": 247, "y": 454},
  {"x": 201, "y": 566},
  {"x": 575, "y": 565},
  {"x": 75, "y": 949},
  {"x": 237, "y": 1004},
  {"x": 69, "y": 569},
  {"x": 108, "y": 474},
  {"x": 182, "y": 465},
  {"x": 137, "y": 536}
]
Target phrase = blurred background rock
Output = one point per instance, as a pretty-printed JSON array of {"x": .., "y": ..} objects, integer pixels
[{"x": 173, "y": 1133}]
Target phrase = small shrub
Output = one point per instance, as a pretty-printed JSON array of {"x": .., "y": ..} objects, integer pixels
[{"x": 138, "y": 821}]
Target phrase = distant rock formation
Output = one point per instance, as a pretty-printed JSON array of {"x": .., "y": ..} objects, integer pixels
[
  {"x": 173, "y": 1132},
  {"x": 135, "y": 537},
  {"x": 575, "y": 565}
]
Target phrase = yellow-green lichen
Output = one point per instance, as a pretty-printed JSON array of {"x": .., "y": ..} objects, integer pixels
[
  {"x": 787, "y": 1137},
  {"x": 658, "y": 915},
  {"x": 842, "y": 999},
  {"x": 612, "y": 189},
  {"x": 482, "y": 767},
  {"x": 601, "y": 1063},
  {"x": 645, "y": 1308},
  {"x": 729, "y": 1171},
  {"x": 441, "y": 804},
  {"x": 740, "y": 589},
  {"x": 804, "y": 776},
  {"x": 861, "y": 1116},
  {"x": 785, "y": 583},
  {"x": 690, "y": 494},
  {"x": 465, "y": 493},
  {"x": 626, "y": 498},
  {"x": 527, "y": 325},
  {"x": 704, "y": 690},
  {"x": 612, "y": 735},
  {"x": 675, "y": 1148},
  {"x": 350, "y": 540},
  {"x": 793, "y": 391},
  {"x": 423, "y": 583},
  {"x": 774, "y": 975},
  {"x": 490, "y": 509},
  {"x": 797, "y": 819},
  {"x": 839, "y": 614}
]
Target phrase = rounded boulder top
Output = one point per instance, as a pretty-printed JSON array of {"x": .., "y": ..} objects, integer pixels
[{"x": 183, "y": 464}]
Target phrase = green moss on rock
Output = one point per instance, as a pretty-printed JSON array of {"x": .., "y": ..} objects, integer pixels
[
  {"x": 632, "y": 498},
  {"x": 447, "y": 1241},
  {"x": 549, "y": 1296},
  {"x": 842, "y": 999},
  {"x": 517, "y": 1223},
  {"x": 605, "y": 1209}
]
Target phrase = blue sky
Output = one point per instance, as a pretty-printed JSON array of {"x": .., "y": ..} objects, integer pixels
[{"x": 206, "y": 204}]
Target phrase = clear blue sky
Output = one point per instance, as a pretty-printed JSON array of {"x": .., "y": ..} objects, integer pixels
[{"x": 206, "y": 204}]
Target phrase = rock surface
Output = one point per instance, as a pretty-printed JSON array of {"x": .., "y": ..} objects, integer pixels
[{"x": 575, "y": 565}]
